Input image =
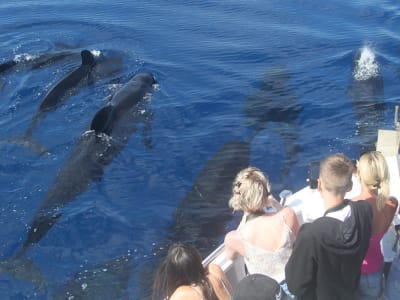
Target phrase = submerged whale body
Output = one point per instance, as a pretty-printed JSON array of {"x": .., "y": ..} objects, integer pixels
[
  {"x": 109, "y": 132},
  {"x": 108, "y": 280},
  {"x": 274, "y": 105},
  {"x": 366, "y": 89},
  {"x": 203, "y": 213},
  {"x": 28, "y": 62}
]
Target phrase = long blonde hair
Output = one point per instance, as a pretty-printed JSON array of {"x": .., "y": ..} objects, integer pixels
[
  {"x": 374, "y": 175},
  {"x": 251, "y": 191}
]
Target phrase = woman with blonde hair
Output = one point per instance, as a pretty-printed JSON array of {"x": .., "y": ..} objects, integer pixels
[
  {"x": 264, "y": 237},
  {"x": 182, "y": 276},
  {"x": 373, "y": 174}
]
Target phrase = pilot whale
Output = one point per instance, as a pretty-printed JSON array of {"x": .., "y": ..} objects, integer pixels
[
  {"x": 203, "y": 213},
  {"x": 91, "y": 69},
  {"x": 107, "y": 280},
  {"x": 97, "y": 147},
  {"x": 32, "y": 62},
  {"x": 274, "y": 105},
  {"x": 366, "y": 89}
]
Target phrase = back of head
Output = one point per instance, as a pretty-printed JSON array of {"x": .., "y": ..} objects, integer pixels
[
  {"x": 251, "y": 190},
  {"x": 259, "y": 287},
  {"x": 374, "y": 175},
  {"x": 181, "y": 266},
  {"x": 335, "y": 172}
]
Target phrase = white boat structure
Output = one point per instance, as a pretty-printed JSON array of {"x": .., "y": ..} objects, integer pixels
[{"x": 308, "y": 203}]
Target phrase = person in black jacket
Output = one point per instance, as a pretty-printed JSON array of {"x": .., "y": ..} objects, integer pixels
[{"x": 327, "y": 256}]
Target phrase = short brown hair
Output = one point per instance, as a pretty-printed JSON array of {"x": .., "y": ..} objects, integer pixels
[{"x": 336, "y": 171}]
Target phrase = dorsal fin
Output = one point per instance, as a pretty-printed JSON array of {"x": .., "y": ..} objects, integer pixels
[
  {"x": 87, "y": 58},
  {"x": 101, "y": 122}
]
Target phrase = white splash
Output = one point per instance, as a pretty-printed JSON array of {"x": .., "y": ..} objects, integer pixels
[
  {"x": 367, "y": 67},
  {"x": 24, "y": 57},
  {"x": 96, "y": 52}
]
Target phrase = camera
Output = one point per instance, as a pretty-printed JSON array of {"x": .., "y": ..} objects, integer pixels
[{"x": 313, "y": 174}]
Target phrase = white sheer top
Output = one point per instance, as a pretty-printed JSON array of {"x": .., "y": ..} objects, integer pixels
[{"x": 270, "y": 263}]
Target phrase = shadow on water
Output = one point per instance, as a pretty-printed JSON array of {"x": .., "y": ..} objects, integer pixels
[
  {"x": 274, "y": 102},
  {"x": 108, "y": 280},
  {"x": 203, "y": 214},
  {"x": 367, "y": 92}
]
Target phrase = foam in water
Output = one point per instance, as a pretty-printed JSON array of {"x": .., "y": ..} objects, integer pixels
[
  {"x": 96, "y": 53},
  {"x": 24, "y": 57},
  {"x": 367, "y": 67}
]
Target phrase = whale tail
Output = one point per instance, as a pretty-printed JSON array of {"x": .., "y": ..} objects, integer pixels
[
  {"x": 23, "y": 268},
  {"x": 29, "y": 143}
]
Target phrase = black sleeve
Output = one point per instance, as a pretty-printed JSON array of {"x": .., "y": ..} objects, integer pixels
[{"x": 301, "y": 266}]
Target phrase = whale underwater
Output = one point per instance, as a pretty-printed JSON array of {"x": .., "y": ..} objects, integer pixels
[
  {"x": 366, "y": 90},
  {"x": 92, "y": 68},
  {"x": 107, "y": 280},
  {"x": 273, "y": 106},
  {"x": 203, "y": 214},
  {"x": 32, "y": 62},
  {"x": 109, "y": 131}
]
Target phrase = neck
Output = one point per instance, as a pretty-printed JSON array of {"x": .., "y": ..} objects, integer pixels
[
  {"x": 255, "y": 214},
  {"x": 331, "y": 201}
]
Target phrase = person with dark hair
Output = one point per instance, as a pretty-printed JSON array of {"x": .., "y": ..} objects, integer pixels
[
  {"x": 259, "y": 287},
  {"x": 182, "y": 276},
  {"x": 326, "y": 260}
]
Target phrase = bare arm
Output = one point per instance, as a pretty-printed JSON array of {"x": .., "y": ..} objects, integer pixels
[
  {"x": 222, "y": 286},
  {"x": 233, "y": 245},
  {"x": 390, "y": 209},
  {"x": 292, "y": 220}
]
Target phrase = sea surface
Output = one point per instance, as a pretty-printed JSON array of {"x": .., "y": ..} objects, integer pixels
[{"x": 278, "y": 75}]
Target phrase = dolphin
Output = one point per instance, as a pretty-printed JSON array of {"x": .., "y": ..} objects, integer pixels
[
  {"x": 97, "y": 147},
  {"x": 91, "y": 69},
  {"x": 108, "y": 280},
  {"x": 366, "y": 89},
  {"x": 273, "y": 102},
  {"x": 32, "y": 62},
  {"x": 7, "y": 65}
]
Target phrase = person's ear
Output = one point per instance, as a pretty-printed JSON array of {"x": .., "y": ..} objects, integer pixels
[{"x": 319, "y": 184}]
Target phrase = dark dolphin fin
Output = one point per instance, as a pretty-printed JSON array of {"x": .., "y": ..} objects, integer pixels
[
  {"x": 22, "y": 268},
  {"x": 102, "y": 121},
  {"x": 87, "y": 58}
]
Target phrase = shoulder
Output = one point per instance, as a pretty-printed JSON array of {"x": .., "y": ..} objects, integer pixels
[
  {"x": 392, "y": 203},
  {"x": 232, "y": 237},
  {"x": 215, "y": 270},
  {"x": 291, "y": 219},
  {"x": 184, "y": 292},
  {"x": 362, "y": 206},
  {"x": 219, "y": 281},
  {"x": 289, "y": 214},
  {"x": 320, "y": 227}
]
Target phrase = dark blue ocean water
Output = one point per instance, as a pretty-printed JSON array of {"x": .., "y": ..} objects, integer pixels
[{"x": 223, "y": 69}]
